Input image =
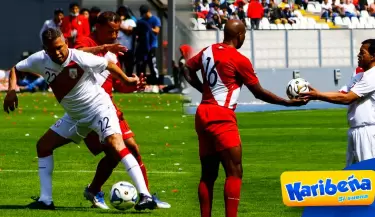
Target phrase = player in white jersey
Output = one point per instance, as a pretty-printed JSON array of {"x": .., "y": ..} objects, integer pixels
[
  {"x": 70, "y": 74},
  {"x": 359, "y": 94}
]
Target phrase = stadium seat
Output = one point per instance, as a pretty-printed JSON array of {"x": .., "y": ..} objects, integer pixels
[
  {"x": 298, "y": 14},
  {"x": 355, "y": 21},
  {"x": 195, "y": 24},
  {"x": 273, "y": 26},
  {"x": 248, "y": 23},
  {"x": 295, "y": 26},
  {"x": 338, "y": 21},
  {"x": 359, "y": 26},
  {"x": 303, "y": 26},
  {"x": 368, "y": 26},
  {"x": 280, "y": 26},
  {"x": 201, "y": 21},
  {"x": 311, "y": 25},
  {"x": 264, "y": 26},
  {"x": 311, "y": 8},
  {"x": 363, "y": 20},
  {"x": 346, "y": 21},
  {"x": 325, "y": 26},
  {"x": 318, "y": 7},
  {"x": 265, "y": 21},
  {"x": 288, "y": 26},
  {"x": 364, "y": 14},
  {"x": 318, "y": 26},
  {"x": 371, "y": 20}
]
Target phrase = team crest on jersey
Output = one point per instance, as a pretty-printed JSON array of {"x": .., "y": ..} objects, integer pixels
[
  {"x": 73, "y": 73},
  {"x": 58, "y": 123}
]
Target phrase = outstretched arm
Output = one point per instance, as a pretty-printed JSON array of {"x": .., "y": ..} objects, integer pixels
[
  {"x": 11, "y": 100},
  {"x": 342, "y": 98},
  {"x": 192, "y": 78}
]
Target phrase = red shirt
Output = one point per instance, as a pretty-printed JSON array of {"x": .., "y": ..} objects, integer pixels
[
  {"x": 224, "y": 71},
  {"x": 105, "y": 80},
  {"x": 79, "y": 23},
  {"x": 255, "y": 10}
]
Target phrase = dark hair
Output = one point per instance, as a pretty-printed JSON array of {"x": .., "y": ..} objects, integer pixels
[
  {"x": 72, "y": 5},
  {"x": 58, "y": 11},
  {"x": 143, "y": 9},
  {"x": 125, "y": 11},
  {"x": 83, "y": 10},
  {"x": 50, "y": 34},
  {"x": 371, "y": 48},
  {"x": 95, "y": 9},
  {"x": 107, "y": 17}
]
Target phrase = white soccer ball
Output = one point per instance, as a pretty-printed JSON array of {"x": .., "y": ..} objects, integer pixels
[
  {"x": 297, "y": 86},
  {"x": 123, "y": 195}
]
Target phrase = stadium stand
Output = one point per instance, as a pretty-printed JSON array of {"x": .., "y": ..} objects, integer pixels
[{"x": 341, "y": 14}]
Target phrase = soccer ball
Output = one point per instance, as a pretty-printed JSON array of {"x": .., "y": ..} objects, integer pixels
[
  {"x": 296, "y": 86},
  {"x": 123, "y": 195}
]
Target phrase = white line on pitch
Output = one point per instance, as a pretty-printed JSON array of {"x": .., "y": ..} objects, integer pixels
[
  {"x": 90, "y": 171},
  {"x": 297, "y": 128}
]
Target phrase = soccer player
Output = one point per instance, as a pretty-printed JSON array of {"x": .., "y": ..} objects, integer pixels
[
  {"x": 224, "y": 70},
  {"x": 360, "y": 97},
  {"x": 101, "y": 43},
  {"x": 70, "y": 74}
]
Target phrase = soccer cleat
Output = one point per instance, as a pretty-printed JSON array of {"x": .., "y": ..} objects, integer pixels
[
  {"x": 145, "y": 202},
  {"x": 40, "y": 205},
  {"x": 160, "y": 204},
  {"x": 96, "y": 200}
]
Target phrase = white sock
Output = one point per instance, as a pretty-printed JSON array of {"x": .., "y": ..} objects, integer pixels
[
  {"x": 45, "y": 175},
  {"x": 134, "y": 171}
]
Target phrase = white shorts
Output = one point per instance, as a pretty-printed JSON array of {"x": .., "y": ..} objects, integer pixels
[
  {"x": 104, "y": 123},
  {"x": 361, "y": 144}
]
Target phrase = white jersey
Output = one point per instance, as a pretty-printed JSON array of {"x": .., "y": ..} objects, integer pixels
[
  {"x": 73, "y": 83},
  {"x": 362, "y": 111}
]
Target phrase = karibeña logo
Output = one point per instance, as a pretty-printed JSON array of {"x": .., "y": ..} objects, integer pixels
[{"x": 327, "y": 188}]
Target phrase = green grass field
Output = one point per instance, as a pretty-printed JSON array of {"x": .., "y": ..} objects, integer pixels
[{"x": 273, "y": 142}]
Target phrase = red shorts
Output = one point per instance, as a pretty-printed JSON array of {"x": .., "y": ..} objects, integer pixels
[
  {"x": 92, "y": 139},
  {"x": 217, "y": 129}
]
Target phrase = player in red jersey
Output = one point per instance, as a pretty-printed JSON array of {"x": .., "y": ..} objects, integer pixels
[
  {"x": 101, "y": 43},
  {"x": 224, "y": 70}
]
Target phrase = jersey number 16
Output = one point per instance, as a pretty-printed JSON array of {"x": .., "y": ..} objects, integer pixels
[{"x": 211, "y": 75}]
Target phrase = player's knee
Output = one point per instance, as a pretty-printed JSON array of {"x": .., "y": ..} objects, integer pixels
[
  {"x": 43, "y": 148},
  {"x": 237, "y": 170},
  {"x": 115, "y": 142},
  {"x": 209, "y": 176},
  {"x": 132, "y": 146}
]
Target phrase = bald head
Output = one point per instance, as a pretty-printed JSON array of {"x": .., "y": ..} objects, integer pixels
[{"x": 234, "y": 33}]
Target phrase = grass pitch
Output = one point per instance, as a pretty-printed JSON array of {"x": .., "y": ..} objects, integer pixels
[{"x": 273, "y": 142}]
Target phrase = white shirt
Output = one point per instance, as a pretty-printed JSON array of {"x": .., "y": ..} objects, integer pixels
[
  {"x": 326, "y": 7},
  {"x": 48, "y": 24},
  {"x": 349, "y": 8},
  {"x": 73, "y": 83},
  {"x": 362, "y": 111},
  {"x": 126, "y": 40}
]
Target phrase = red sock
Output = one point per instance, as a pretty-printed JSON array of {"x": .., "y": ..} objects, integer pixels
[
  {"x": 143, "y": 169},
  {"x": 232, "y": 190},
  {"x": 205, "y": 192}
]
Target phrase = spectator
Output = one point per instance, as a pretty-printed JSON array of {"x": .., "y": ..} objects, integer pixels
[
  {"x": 283, "y": 4},
  {"x": 55, "y": 23},
  {"x": 224, "y": 14},
  {"x": 338, "y": 8},
  {"x": 300, "y": 4},
  {"x": 178, "y": 71},
  {"x": 85, "y": 12},
  {"x": 349, "y": 9},
  {"x": 211, "y": 22},
  {"x": 327, "y": 11},
  {"x": 255, "y": 13},
  {"x": 125, "y": 11},
  {"x": 154, "y": 22},
  {"x": 287, "y": 16},
  {"x": 241, "y": 14},
  {"x": 275, "y": 13},
  {"x": 363, "y": 5},
  {"x": 371, "y": 9},
  {"x": 266, "y": 10},
  {"x": 94, "y": 13},
  {"x": 125, "y": 38},
  {"x": 74, "y": 25}
]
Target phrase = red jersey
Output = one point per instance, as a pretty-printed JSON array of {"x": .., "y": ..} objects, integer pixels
[
  {"x": 105, "y": 78},
  {"x": 79, "y": 23},
  {"x": 224, "y": 71}
]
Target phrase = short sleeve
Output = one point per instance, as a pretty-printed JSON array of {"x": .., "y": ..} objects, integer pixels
[
  {"x": 31, "y": 63},
  {"x": 366, "y": 85},
  {"x": 156, "y": 22},
  {"x": 90, "y": 61},
  {"x": 195, "y": 62},
  {"x": 246, "y": 72}
]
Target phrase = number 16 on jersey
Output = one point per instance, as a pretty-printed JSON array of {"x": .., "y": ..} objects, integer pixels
[{"x": 210, "y": 71}]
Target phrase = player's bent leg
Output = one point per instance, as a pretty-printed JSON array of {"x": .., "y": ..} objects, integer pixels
[
  {"x": 45, "y": 146},
  {"x": 115, "y": 141},
  {"x": 210, "y": 168},
  {"x": 231, "y": 160}
]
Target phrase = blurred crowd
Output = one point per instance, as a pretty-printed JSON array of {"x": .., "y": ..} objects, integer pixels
[
  {"x": 138, "y": 34},
  {"x": 217, "y": 12}
]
